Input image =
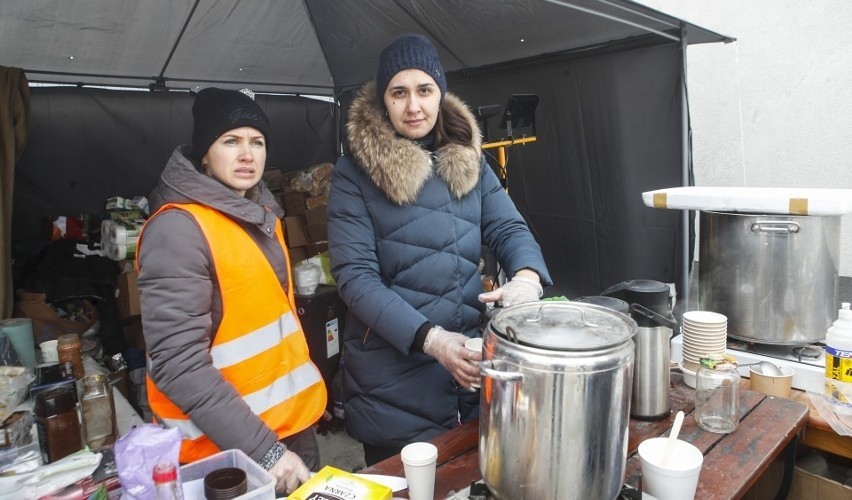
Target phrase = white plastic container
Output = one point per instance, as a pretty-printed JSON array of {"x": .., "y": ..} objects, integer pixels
[
  {"x": 838, "y": 360},
  {"x": 261, "y": 484}
]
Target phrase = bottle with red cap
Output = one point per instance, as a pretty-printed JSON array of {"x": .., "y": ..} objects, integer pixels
[{"x": 165, "y": 482}]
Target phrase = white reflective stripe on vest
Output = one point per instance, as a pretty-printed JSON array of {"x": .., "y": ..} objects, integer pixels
[
  {"x": 283, "y": 388},
  {"x": 251, "y": 344},
  {"x": 187, "y": 429},
  {"x": 259, "y": 401}
]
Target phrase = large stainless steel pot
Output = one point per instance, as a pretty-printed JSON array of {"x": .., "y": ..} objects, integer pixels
[
  {"x": 555, "y": 399},
  {"x": 773, "y": 276}
]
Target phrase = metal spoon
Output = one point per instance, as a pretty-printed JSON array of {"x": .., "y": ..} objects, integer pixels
[{"x": 766, "y": 368}]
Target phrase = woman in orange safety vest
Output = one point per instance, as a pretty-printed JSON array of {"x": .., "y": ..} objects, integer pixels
[{"x": 228, "y": 362}]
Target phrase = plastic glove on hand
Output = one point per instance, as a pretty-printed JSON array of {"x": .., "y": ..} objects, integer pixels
[
  {"x": 290, "y": 472},
  {"x": 517, "y": 291},
  {"x": 448, "y": 348}
]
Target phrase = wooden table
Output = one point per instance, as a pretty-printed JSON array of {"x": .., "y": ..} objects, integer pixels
[{"x": 732, "y": 462}]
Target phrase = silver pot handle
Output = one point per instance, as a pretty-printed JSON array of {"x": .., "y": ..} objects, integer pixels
[
  {"x": 544, "y": 304},
  {"x": 775, "y": 226},
  {"x": 486, "y": 369}
]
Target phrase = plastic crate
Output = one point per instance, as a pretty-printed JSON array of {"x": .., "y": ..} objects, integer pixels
[{"x": 261, "y": 484}]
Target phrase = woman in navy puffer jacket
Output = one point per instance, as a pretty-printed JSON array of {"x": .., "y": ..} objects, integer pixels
[{"x": 408, "y": 211}]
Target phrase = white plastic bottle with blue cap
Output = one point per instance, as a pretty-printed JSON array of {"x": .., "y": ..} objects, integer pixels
[{"x": 838, "y": 360}]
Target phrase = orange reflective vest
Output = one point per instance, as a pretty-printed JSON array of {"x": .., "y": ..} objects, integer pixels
[{"x": 259, "y": 348}]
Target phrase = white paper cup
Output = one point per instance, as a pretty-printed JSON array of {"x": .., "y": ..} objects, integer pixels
[
  {"x": 49, "y": 354},
  {"x": 474, "y": 344},
  {"x": 678, "y": 479},
  {"x": 419, "y": 460}
]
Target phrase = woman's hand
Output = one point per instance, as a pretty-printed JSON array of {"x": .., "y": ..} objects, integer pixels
[
  {"x": 523, "y": 288},
  {"x": 448, "y": 348},
  {"x": 290, "y": 472}
]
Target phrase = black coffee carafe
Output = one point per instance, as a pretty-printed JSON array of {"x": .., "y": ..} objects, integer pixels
[{"x": 650, "y": 307}]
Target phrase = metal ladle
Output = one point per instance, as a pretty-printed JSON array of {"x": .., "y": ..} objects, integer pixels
[{"x": 766, "y": 368}]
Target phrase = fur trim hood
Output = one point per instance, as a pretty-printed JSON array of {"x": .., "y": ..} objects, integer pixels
[{"x": 399, "y": 166}]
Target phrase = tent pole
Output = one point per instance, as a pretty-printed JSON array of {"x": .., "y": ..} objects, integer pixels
[{"x": 685, "y": 153}]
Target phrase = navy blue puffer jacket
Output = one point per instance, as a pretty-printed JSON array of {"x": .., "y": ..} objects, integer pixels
[{"x": 405, "y": 233}]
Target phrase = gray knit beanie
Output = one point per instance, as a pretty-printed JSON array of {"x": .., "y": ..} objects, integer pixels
[{"x": 409, "y": 51}]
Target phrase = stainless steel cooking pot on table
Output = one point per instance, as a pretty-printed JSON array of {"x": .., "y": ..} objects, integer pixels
[{"x": 556, "y": 386}]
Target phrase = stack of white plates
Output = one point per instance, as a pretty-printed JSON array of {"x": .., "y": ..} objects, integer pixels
[{"x": 705, "y": 334}]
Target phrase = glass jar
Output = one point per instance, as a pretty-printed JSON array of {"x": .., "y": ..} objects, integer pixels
[
  {"x": 57, "y": 423},
  {"x": 717, "y": 396},
  {"x": 69, "y": 348},
  {"x": 99, "y": 425}
]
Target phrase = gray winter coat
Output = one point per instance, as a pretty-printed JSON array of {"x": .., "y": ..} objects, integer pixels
[
  {"x": 405, "y": 239},
  {"x": 182, "y": 306}
]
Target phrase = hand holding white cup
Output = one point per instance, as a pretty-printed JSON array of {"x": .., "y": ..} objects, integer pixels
[
  {"x": 419, "y": 460},
  {"x": 475, "y": 344}
]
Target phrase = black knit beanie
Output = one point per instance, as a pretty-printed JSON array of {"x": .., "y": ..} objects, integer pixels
[
  {"x": 216, "y": 111},
  {"x": 409, "y": 51}
]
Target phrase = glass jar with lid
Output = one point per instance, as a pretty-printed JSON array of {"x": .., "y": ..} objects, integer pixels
[
  {"x": 69, "y": 348},
  {"x": 717, "y": 394}
]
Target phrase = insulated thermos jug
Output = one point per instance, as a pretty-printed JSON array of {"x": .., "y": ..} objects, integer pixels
[{"x": 650, "y": 307}]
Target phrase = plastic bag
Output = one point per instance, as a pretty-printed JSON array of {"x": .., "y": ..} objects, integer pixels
[
  {"x": 306, "y": 276},
  {"x": 138, "y": 452}
]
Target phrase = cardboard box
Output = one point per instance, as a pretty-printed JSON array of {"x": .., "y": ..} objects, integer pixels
[
  {"x": 805, "y": 486},
  {"x": 317, "y": 232},
  {"x": 316, "y": 248},
  {"x": 127, "y": 295},
  {"x": 131, "y": 331},
  {"x": 294, "y": 231},
  {"x": 294, "y": 203},
  {"x": 298, "y": 254},
  {"x": 316, "y": 201},
  {"x": 316, "y": 215},
  {"x": 47, "y": 323}
]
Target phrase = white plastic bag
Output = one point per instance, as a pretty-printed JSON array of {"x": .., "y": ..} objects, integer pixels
[{"x": 306, "y": 276}]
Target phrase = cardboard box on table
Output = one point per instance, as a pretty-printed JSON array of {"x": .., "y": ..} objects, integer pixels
[
  {"x": 47, "y": 323},
  {"x": 127, "y": 295}
]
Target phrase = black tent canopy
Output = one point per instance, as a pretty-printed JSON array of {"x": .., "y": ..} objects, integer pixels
[
  {"x": 612, "y": 120},
  {"x": 300, "y": 46}
]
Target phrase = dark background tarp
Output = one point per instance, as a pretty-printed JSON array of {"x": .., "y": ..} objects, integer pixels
[{"x": 608, "y": 127}]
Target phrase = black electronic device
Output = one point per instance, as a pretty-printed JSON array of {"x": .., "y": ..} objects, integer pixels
[
  {"x": 322, "y": 316},
  {"x": 483, "y": 113},
  {"x": 519, "y": 113}
]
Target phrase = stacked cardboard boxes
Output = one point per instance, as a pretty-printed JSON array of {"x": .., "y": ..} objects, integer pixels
[{"x": 304, "y": 197}]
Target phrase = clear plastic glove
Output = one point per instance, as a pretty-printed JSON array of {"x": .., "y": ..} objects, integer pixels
[
  {"x": 448, "y": 348},
  {"x": 290, "y": 472},
  {"x": 517, "y": 291}
]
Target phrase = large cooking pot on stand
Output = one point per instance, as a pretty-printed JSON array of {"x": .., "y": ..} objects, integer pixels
[
  {"x": 774, "y": 276},
  {"x": 555, "y": 401}
]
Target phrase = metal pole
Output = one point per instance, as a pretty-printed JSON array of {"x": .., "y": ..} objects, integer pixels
[{"x": 684, "y": 174}]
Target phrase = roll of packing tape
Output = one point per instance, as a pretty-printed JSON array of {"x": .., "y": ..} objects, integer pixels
[{"x": 19, "y": 331}]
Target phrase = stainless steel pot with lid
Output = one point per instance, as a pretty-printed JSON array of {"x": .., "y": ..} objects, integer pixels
[{"x": 557, "y": 379}]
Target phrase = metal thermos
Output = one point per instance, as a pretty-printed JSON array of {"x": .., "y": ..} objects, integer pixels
[{"x": 650, "y": 307}]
